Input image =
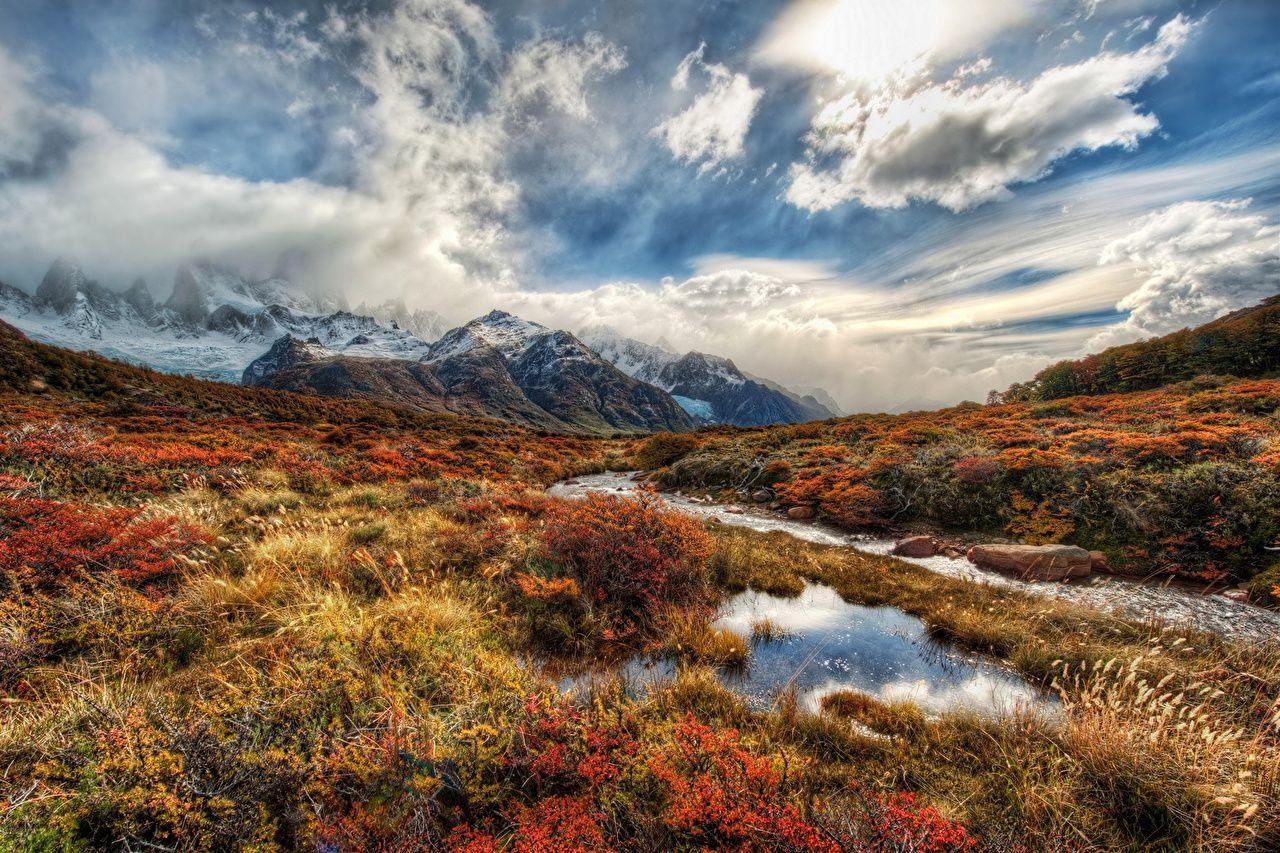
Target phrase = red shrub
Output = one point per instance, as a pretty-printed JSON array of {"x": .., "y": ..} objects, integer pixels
[
  {"x": 629, "y": 555},
  {"x": 43, "y": 543},
  {"x": 725, "y": 797}
]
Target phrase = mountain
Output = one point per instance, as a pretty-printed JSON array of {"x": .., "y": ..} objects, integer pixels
[
  {"x": 214, "y": 323},
  {"x": 427, "y": 325},
  {"x": 1244, "y": 343},
  {"x": 498, "y": 366},
  {"x": 710, "y": 388}
]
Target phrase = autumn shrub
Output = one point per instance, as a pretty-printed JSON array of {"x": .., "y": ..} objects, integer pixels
[
  {"x": 659, "y": 451},
  {"x": 629, "y": 556},
  {"x": 1264, "y": 589},
  {"x": 45, "y": 544},
  {"x": 724, "y": 796}
]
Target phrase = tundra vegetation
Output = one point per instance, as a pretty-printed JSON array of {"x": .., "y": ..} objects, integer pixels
[{"x": 242, "y": 619}]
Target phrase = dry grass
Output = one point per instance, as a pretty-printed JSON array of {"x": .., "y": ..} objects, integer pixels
[
  {"x": 692, "y": 639},
  {"x": 765, "y": 630}
]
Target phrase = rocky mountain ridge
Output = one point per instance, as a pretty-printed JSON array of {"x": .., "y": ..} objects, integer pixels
[
  {"x": 497, "y": 365},
  {"x": 711, "y": 388}
]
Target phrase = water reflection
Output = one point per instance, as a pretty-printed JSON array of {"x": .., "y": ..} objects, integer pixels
[
  {"x": 829, "y": 645},
  {"x": 832, "y": 645}
]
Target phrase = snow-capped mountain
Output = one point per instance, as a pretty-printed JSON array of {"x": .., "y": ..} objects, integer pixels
[
  {"x": 710, "y": 388},
  {"x": 426, "y": 324},
  {"x": 498, "y": 365},
  {"x": 213, "y": 325}
]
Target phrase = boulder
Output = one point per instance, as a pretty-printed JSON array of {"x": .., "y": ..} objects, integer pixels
[
  {"x": 1033, "y": 562},
  {"x": 762, "y": 496},
  {"x": 801, "y": 513},
  {"x": 952, "y": 552},
  {"x": 915, "y": 546},
  {"x": 1098, "y": 562}
]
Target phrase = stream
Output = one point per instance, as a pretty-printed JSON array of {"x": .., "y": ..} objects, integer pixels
[{"x": 1146, "y": 601}]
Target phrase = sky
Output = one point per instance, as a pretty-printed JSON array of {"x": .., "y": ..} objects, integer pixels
[{"x": 901, "y": 202}]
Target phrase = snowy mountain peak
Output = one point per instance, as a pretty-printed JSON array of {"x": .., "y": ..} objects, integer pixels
[
  {"x": 421, "y": 322},
  {"x": 286, "y": 352},
  {"x": 711, "y": 388},
  {"x": 635, "y": 358},
  {"x": 140, "y": 299},
  {"x": 214, "y": 324},
  {"x": 508, "y": 334},
  {"x": 61, "y": 284}
]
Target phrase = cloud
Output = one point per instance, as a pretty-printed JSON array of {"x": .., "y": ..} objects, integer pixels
[
  {"x": 1199, "y": 260},
  {"x": 868, "y": 41},
  {"x": 959, "y": 146},
  {"x": 426, "y": 110},
  {"x": 711, "y": 131},
  {"x": 558, "y": 73}
]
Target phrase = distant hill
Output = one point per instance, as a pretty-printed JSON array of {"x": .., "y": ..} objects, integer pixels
[{"x": 1245, "y": 343}]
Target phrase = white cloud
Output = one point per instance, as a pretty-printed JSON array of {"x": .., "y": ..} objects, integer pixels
[
  {"x": 711, "y": 131},
  {"x": 960, "y": 146},
  {"x": 431, "y": 203},
  {"x": 869, "y": 41},
  {"x": 558, "y": 73},
  {"x": 1198, "y": 260}
]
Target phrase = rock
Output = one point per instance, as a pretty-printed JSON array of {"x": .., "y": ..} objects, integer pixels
[
  {"x": 569, "y": 482},
  {"x": 915, "y": 546},
  {"x": 775, "y": 506},
  {"x": 952, "y": 552},
  {"x": 763, "y": 496},
  {"x": 639, "y": 476},
  {"x": 1033, "y": 562},
  {"x": 734, "y": 510},
  {"x": 801, "y": 513},
  {"x": 1098, "y": 562},
  {"x": 1240, "y": 596}
]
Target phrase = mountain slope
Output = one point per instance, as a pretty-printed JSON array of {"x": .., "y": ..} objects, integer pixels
[
  {"x": 497, "y": 365},
  {"x": 1244, "y": 343},
  {"x": 709, "y": 387},
  {"x": 213, "y": 324}
]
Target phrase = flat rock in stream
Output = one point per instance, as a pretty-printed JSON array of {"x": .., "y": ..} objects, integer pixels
[
  {"x": 1033, "y": 562},
  {"x": 915, "y": 546}
]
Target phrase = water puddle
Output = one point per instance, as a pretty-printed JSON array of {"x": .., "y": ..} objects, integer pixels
[
  {"x": 1156, "y": 602},
  {"x": 823, "y": 644}
]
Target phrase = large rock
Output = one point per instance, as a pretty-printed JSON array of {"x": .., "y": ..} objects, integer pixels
[
  {"x": 915, "y": 546},
  {"x": 1033, "y": 562},
  {"x": 801, "y": 513}
]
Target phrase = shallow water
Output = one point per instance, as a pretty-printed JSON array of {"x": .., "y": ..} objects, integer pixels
[
  {"x": 830, "y": 645},
  {"x": 1167, "y": 604}
]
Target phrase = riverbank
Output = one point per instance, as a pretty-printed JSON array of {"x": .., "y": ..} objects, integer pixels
[{"x": 1157, "y": 603}]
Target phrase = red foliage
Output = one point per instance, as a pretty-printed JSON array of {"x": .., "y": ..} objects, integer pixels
[
  {"x": 565, "y": 750},
  {"x": 44, "y": 544},
  {"x": 629, "y": 555},
  {"x": 725, "y": 797}
]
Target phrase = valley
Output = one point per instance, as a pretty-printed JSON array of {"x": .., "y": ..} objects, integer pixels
[{"x": 238, "y": 612}]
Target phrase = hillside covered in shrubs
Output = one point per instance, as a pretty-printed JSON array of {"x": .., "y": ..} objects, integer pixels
[
  {"x": 1243, "y": 344},
  {"x": 1180, "y": 480}
]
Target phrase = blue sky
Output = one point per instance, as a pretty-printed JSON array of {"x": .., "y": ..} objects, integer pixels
[{"x": 895, "y": 201}]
